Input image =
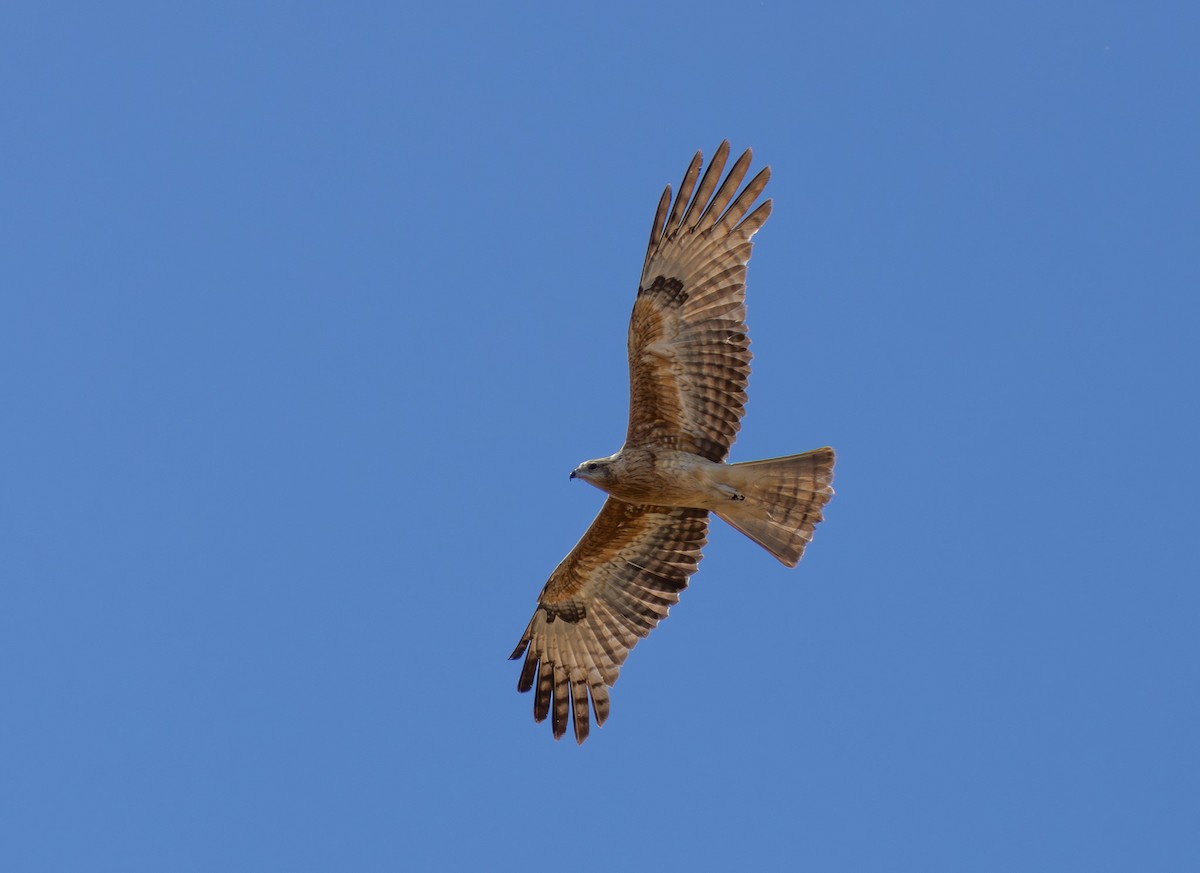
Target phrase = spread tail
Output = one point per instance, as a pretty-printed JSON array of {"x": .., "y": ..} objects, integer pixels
[{"x": 783, "y": 500}]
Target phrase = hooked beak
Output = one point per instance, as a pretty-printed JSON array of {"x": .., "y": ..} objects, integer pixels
[{"x": 572, "y": 474}]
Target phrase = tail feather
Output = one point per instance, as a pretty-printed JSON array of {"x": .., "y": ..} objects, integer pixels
[{"x": 783, "y": 500}]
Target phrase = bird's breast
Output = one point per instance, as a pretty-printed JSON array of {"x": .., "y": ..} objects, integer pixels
[{"x": 664, "y": 478}]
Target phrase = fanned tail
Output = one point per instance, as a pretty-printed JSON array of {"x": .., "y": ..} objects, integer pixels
[{"x": 783, "y": 500}]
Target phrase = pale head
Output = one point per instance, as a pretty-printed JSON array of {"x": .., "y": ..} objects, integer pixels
[{"x": 598, "y": 472}]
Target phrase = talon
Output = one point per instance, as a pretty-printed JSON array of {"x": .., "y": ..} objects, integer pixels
[{"x": 730, "y": 492}]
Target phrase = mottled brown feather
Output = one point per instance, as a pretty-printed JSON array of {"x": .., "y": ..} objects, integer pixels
[
  {"x": 689, "y": 353},
  {"x": 613, "y": 588}
]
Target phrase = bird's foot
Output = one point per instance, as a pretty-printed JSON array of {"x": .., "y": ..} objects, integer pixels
[{"x": 731, "y": 492}]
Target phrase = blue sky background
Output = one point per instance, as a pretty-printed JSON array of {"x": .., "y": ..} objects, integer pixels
[{"x": 307, "y": 311}]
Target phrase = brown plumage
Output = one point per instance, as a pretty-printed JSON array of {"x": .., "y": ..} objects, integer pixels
[{"x": 689, "y": 364}]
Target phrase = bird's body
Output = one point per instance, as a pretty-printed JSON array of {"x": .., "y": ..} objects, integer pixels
[
  {"x": 689, "y": 363},
  {"x": 664, "y": 477}
]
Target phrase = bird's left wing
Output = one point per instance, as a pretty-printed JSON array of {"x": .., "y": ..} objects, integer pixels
[
  {"x": 689, "y": 353},
  {"x": 613, "y": 588}
]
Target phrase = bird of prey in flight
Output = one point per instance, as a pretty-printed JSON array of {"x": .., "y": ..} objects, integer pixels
[{"x": 689, "y": 363}]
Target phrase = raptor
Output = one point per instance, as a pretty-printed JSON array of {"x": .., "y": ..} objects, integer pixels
[{"x": 689, "y": 364}]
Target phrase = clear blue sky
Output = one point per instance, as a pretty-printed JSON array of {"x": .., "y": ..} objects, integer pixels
[{"x": 306, "y": 313}]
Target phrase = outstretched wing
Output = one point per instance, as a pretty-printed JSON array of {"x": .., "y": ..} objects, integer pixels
[
  {"x": 689, "y": 356},
  {"x": 613, "y": 588}
]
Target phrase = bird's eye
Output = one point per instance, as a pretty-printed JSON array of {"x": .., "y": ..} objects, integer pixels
[{"x": 592, "y": 466}]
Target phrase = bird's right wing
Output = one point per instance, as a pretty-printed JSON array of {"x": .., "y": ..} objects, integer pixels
[{"x": 613, "y": 588}]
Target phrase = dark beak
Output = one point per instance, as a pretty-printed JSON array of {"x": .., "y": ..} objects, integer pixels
[{"x": 572, "y": 474}]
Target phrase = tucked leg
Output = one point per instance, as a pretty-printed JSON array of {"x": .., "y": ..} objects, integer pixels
[{"x": 730, "y": 492}]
